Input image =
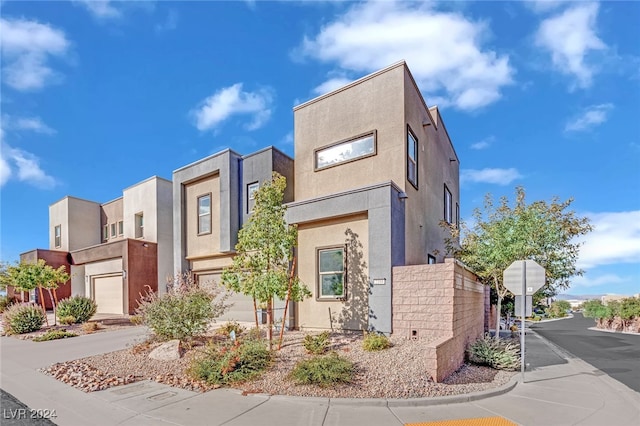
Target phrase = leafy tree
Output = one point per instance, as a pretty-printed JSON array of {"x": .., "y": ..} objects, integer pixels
[
  {"x": 262, "y": 266},
  {"x": 558, "y": 309},
  {"x": 29, "y": 276},
  {"x": 542, "y": 231}
]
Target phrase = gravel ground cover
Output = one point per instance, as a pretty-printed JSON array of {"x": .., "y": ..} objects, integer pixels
[{"x": 397, "y": 372}]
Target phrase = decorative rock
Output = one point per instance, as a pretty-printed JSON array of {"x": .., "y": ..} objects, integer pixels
[{"x": 168, "y": 351}]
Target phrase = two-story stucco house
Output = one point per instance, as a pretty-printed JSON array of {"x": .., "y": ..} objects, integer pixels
[{"x": 113, "y": 250}]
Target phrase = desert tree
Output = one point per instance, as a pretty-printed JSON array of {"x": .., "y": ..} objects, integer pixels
[
  {"x": 262, "y": 267},
  {"x": 545, "y": 232}
]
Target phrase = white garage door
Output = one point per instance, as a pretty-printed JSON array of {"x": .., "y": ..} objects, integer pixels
[
  {"x": 242, "y": 309},
  {"x": 108, "y": 294}
]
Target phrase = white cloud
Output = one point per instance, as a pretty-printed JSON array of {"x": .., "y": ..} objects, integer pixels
[
  {"x": 587, "y": 281},
  {"x": 26, "y": 49},
  {"x": 170, "y": 22},
  {"x": 570, "y": 37},
  {"x": 483, "y": 144},
  {"x": 615, "y": 239},
  {"x": 590, "y": 117},
  {"x": 541, "y": 6},
  {"x": 287, "y": 139},
  {"x": 34, "y": 124},
  {"x": 101, "y": 9},
  {"x": 231, "y": 101},
  {"x": 24, "y": 166},
  {"x": 443, "y": 50},
  {"x": 495, "y": 176},
  {"x": 331, "y": 85}
]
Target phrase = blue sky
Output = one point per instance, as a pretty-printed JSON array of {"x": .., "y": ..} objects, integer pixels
[{"x": 99, "y": 95}]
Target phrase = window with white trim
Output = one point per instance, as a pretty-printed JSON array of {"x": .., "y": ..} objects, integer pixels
[
  {"x": 204, "y": 214},
  {"x": 57, "y": 236},
  {"x": 331, "y": 273},
  {"x": 121, "y": 228},
  {"x": 105, "y": 232},
  {"x": 412, "y": 158},
  {"x": 113, "y": 230}
]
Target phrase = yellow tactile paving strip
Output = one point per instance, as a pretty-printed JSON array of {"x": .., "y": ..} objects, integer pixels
[{"x": 482, "y": 421}]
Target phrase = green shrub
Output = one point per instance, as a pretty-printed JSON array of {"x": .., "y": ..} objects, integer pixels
[
  {"x": 184, "y": 311},
  {"x": 229, "y": 327},
  {"x": 54, "y": 335},
  {"x": 496, "y": 353},
  {"x": 318, "y": 344},
  {"x": 375, "y": 342},
  {"x": 23, "y": 318},
  {"x": 5, "y": 302},
  {"x": 67, "y": 320},
  {"x": 558, "y": 309},
  {"x": 79, "y": 307},
  {"x": 230, "y": 363},
  {"x": 323, "y": 371}
]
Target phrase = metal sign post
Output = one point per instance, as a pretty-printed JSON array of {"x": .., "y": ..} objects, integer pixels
[
  {"x": 522, "y": 315},
  {"x": 523, "y": 278}
]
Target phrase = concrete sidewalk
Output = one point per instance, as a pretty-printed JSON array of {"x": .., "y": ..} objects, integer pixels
[{"x": 559, "y": 390}]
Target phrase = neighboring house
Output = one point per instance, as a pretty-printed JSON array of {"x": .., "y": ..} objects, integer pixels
[
  {"x": 114, "y": 251},
  {"x": 213, "y": 198}
]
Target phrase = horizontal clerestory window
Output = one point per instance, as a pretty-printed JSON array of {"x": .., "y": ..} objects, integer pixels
[{"x": 342, "y": 152}]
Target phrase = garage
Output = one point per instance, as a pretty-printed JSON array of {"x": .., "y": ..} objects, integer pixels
[
  {"x": 242, "y": 309},
  {"x": 108, "y": 294}
]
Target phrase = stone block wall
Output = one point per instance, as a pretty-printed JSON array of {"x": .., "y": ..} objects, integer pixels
[{"x": 442, "y": 303}]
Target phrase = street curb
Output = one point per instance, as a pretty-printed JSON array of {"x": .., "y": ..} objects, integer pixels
[{"x": 394, "y": 402}]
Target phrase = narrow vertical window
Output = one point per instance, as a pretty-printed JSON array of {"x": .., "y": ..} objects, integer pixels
[
  {"x": 120, "y": 228},
  {"x": 252, "y": 188},
  {"x": 331, "y": 270},
  {"x": 113, "y": 230},
  {"x": 448, "y": 208},
  {"x": 139, "y": 224},
  {"x": 412, "y": 158},
  {"x": 204, "y": 214},
  {"x": 57, "y": 236},
  {"x": 457, "y": 215},
  {"x": 105, "y": 232}
]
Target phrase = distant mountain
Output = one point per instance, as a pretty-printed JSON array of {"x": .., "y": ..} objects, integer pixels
[{"x": 579, "y": 296}]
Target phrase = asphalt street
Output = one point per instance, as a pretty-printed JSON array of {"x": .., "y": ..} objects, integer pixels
[
  {"x": 15, "y": 413},
  {"x": 616, "y": 354}
]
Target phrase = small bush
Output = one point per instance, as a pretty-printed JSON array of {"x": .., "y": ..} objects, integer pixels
[
  {"x": 5, "y": 302},
  {"x": 67, "y": 320},
  {"x": 90, "y": 327},
  {"x": 375, "y": 342},
  {"x": 80, "y": 307},
  {"x": 54, "y": 335},
  {"x": 229, "y": 327},
  {"x": 184, "y": 311},
  {"x": 23, "y": 318},
  {"x": 233, "y": 363},
  {"x": 495, "y": 353},
  {"x": 318, "y": 344},
  {"x": 323, "y": 371}
]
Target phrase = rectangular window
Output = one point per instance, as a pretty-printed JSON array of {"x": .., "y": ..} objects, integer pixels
[
  {"x": 448, "y": 213},
  {"x": 342, "y": 152},
  {"x": 113, "y": 230},
  {"x": 431, "y": 259},
  {"x": 412, "y": 158},
  {"x": 105, "y": 232},
  {"x": 57, "y": 236},
  {"x": 457, "y": 215},
  {"x": 120, "y": 228},
  {"x": 139, "y": 224},
  {"x": 331, "y": 269},
  {"x": 251, "y": 196},
  {"x": 204, "y": 214}
]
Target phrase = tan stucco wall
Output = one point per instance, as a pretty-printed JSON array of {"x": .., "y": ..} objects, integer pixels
[
  {"x": 111, "y": 213},
  {"x": 371, "y": 104},
  {"x": 351, "y": 314},
  {"x": 80, "y": 223},
  {"x": 210, "y": 263},
  {"x": 206, "y": 244}
]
